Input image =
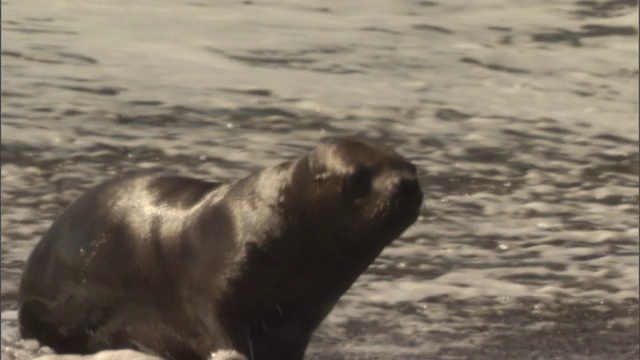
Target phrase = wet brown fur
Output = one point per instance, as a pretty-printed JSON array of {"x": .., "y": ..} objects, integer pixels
[{"x": 180, "y": 267}]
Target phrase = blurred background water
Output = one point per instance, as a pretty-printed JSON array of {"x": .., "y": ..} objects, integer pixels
[{"x": 521, "y": 115}]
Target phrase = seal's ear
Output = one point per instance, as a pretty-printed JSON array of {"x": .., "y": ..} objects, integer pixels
[
  {"x": 358, "y": 184},
  {"x": 316, "y": 167}
]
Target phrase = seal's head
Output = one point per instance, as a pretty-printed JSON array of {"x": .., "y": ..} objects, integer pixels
[{"x": 359, "y": 191}]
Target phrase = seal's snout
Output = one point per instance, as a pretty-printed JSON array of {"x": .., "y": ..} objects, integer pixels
[
  {"x": 408, "y": 192},
  {"x": 409, "y": 187}
]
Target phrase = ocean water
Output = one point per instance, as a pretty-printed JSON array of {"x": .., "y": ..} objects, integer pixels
[{"x": 522, "y": 117}]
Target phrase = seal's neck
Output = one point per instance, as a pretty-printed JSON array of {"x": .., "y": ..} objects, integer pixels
[{"x": 287, "y": 288}]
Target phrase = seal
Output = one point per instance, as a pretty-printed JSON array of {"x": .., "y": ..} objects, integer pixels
[{"x": 182, "y": 268}]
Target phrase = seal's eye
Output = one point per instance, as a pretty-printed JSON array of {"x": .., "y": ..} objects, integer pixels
[{"x": 358, "y": 184}]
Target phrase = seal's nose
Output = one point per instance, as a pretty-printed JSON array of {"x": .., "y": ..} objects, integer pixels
[{"x": 409, "y": 187}]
